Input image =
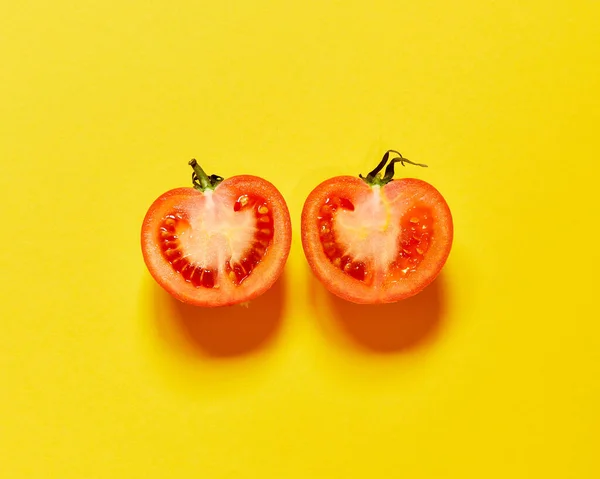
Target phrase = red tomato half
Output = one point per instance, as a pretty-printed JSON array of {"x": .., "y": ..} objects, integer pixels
[
  {"x": 376, "y": 240},
  {"x": 220, "y": 243}
]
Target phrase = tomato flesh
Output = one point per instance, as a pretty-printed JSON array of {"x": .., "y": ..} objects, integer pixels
[
  {"x": 413, "y": 242},
  {"x": 376, "y": 244},
  {"x": 218, "y": 247},
  {"x": 185, "y": 249}
]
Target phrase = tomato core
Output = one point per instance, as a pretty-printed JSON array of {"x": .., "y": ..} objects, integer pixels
[
  {"x": 415, "y": 226},
  {"x": 195, "y": 269}
]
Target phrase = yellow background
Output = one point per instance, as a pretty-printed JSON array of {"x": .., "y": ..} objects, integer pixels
[{"x": 493, "y": 371}]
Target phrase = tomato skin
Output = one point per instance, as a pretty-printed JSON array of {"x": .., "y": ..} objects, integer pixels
[
  {"x": 266, "y": 272},
  {"x": 399, "y": 192}
]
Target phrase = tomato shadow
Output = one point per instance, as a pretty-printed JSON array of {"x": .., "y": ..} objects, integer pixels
[
  {"x": 390, "y": 328},
  {"x": 223, "y": 332}
]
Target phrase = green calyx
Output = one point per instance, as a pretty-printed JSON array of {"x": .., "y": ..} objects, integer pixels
[
  {"x": 201, "y": 180},
  {"x": 375, "y": 178}
]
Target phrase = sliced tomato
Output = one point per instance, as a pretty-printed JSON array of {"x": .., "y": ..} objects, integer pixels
[
  {"x": 222, "y": 242},
  {"x": 374, "y": 239}
]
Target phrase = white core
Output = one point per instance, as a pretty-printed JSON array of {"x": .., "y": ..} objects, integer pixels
[
  {"x": 371, "y": 231},
  {"x": 217, "y": 233}
]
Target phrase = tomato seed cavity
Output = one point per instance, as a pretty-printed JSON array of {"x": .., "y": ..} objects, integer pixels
[
  {"x": 414, "y": 242},
  {"x": 202, "y": 276},
  {"x": 356, "y": 269},
  {"x": 416, "y": 226}
]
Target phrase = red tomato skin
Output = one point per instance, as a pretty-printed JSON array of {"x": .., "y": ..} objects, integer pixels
[
  {"x": 350, "y": 289},
  {"x": 264, "y": 275}
]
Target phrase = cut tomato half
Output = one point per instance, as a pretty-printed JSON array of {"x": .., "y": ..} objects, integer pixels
[
  {"x": 222, "y": 242},
  {"x": 374, "y": 239}
]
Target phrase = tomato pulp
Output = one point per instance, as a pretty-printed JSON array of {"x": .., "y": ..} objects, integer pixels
[
  {"x": 374, "y": 239},
  {"x": 219, "y": 243}
]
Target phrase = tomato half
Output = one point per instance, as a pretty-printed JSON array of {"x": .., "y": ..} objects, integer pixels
[
  {"x": 374, "y": 239},
  {"x": 219, "y": 243}
]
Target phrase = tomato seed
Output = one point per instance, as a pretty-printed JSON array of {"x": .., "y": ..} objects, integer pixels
[
  {"x": 254, "y": 257},
  {"x": 165, "y": 234},
  {"x": 196, "y": 276},
  {"x": 177, "y": 263},
  {"x": 326, "y": 210},
  {"x": 172, "y": 254},
  {"x": 238, "y": 270},
  {"x": 241, "y": 202},
  {"x": 260, "y": 248},
  {"x": 247, "y": 264},
  {"x": 263, "y": 210},
  {"x": 358, "y": 270},
  {"x": 346, "y": 204},
  {"x": 208, "y": 278},
  {"x": 188, "y": 271},
  {"x": 263, "y": 243}
]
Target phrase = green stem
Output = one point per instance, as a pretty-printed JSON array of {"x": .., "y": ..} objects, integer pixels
[
  {"x": 201, "y": 180},
  {"x": 374, "y": 178}
]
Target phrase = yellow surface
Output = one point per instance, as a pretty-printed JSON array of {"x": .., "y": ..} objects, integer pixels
[{"x": 491, "y": 372}]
